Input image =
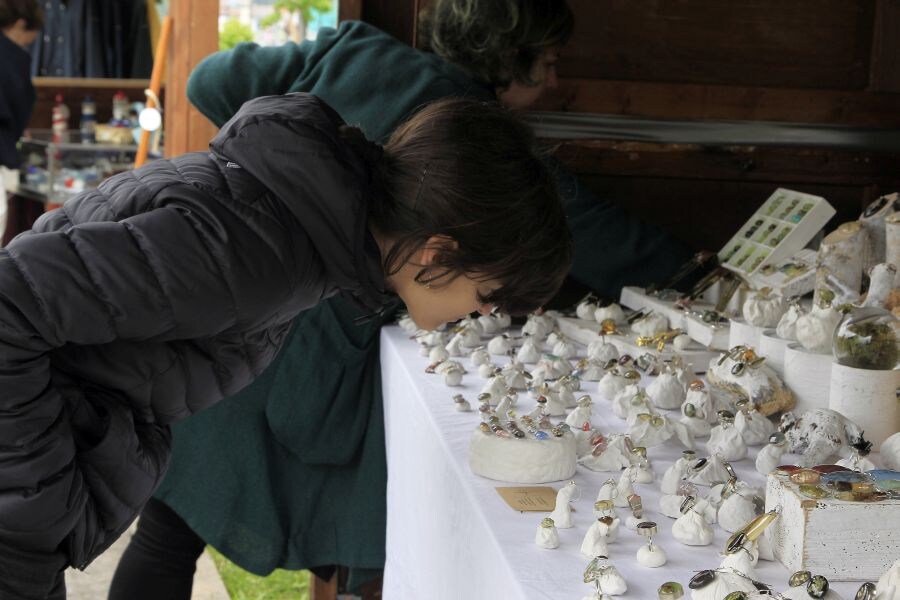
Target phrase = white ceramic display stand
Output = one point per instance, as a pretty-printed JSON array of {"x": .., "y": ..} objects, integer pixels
[
  {"x": 869, "y": 399},
  {"x": 585, "y": 332},
  {"x": 772, "y": 347},
  {"x": 743, "y": 334},
  {"x": 808, "y": 375}
]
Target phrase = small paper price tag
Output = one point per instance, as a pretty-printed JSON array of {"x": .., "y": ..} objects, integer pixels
[{"x": 530, "y": 499}]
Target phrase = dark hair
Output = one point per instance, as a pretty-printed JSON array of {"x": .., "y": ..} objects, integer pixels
[
  {"x": 13, "y": 10},
  {"x": 497, "y": 41},
  {"x": 471, "y": 171}
]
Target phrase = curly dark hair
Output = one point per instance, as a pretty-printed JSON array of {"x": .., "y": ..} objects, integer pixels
[
  {"x": 496, "y": 41},
  {"x": 13, "y": 10},
  {"x": 472, "y": 171}
]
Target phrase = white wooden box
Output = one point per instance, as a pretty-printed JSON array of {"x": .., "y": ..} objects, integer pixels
[{"x": 844, "y": 541}]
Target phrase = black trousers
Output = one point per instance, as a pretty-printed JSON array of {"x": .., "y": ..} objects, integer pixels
[{"x": 160, "y": 560}]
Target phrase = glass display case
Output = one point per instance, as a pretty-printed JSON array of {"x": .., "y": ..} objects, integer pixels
[{"x": 54, "y": 171}]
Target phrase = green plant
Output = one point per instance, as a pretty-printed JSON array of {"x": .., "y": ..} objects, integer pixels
[
  {"x": 305, "y": 8},
  {"x": 233, "y": 33},
  {"x": 278, "y": 585}
]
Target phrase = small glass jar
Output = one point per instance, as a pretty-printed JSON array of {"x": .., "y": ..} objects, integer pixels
[{"x": 868, "y": 338}]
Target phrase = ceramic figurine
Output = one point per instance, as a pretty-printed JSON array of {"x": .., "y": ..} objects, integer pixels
[
  {"x": 718, "y": 584},
  {"x": 691, "y": 527},
  {"x": 489, "y": 324},
  {"x": 710, "y": 471},
  {"x": 682, "y": 342},
  {"x": 595, "y": 541},
  {"x": 602, "y": 351},
  {"x": 741, "y": 373},
  {"x": 547, "y": 536},
  {"x": 666, "y": 391},
  {"x": 890, "y": 452},
  {"x": 764, "y": 309},
  {"x": 516, "y": 376},
  {"x": 562, "y": 512},
  {"x": 564, "y": 348},
  {"x": 888, "y": 586},
  {"x": 815, "y": 330},
  {"x": 611, "y": 384},
  {"x": 613, "y": 312},
  {"x": 554, "y": 407},
  {"x": 537, "y": 326},
  {"x": 605, "y": 577},
  {"x": 452, "y": 372},
  {"x": 582, "y": 414},
  {"x": 407, "y": 324},
  {"x": 585, "y": 309},
  {"x": 787, "y": 325},
  {"x": 606, "y": 458},
  {"x": 499, "y": 345},
  {"x": 530, "y": 352},
  {"x": 678, "y": 471},
  {"x": 770, "y": 455},
  {"x": 650, "y": 326},
  {"x": 631, "y": 400},
  {"x": 461, "y": 404},
  {"x": 754, "y": 428},
  {"x": 625, "y": 487},
  {"x": 698, "y": 396},
  {"x": 697, "y": 426},
  {"x": 479, "y": 356},
  {"x": 820, "y": 433},
  {"x": 741, "y": 504},
  {"x": 725, "y": 440}
]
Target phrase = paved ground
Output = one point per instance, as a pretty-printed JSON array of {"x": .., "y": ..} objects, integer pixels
[{"x": 93, "y": 582}]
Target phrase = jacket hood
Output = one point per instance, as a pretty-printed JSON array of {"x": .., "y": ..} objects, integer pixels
[{"x": 291, "y": 145}]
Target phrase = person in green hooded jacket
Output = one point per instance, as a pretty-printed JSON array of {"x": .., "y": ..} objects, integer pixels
[{"x": 291, "y": 472}]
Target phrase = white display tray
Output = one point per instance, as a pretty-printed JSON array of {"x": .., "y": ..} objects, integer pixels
[
  {"x": 585, "y": 332},
  {"x": 715, "y": 338}
]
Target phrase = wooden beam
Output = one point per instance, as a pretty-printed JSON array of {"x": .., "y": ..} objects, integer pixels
[
  {"x": 195, "y": 35},
  {"x": 350, "y": 10},
  {"x": 885, "y": 76},
  {"x": 319, "y": 589}
]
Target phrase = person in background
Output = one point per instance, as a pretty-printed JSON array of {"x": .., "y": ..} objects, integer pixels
[
  {"x": 175, "y": 285},
  {"x": 290, "y": 473},
  {"x": 20, "y": 22}
]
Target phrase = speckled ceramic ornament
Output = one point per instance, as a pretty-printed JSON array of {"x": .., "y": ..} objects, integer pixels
[
  {"x": 666, "y": 391},
  {"x": 650, "y": 326},
  {"x": 602, "y": 351},
  {"x": 763, "y": 308},
  {"x": 815, "y": 330},
  {"x": 611, "y": 311},
  {"x": 818, "y": 434},
  {"x": 761, "y": 386}
]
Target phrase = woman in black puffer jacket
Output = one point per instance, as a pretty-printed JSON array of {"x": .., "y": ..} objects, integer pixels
[{"x": 173, "y": 286}]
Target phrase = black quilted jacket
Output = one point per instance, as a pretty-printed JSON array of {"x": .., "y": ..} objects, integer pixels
[{"x": 151, "y": 298}]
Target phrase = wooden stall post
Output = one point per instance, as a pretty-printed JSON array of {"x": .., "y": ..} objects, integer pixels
[{"x": 195, "y": 35}]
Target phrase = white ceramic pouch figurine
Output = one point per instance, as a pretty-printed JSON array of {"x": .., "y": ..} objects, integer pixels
[
  {"x": 611, "y": 384},
  {"x": 562, "y": 512},
  {"x": 625, "y": 487},
  {"x": 890, "y": 452},
  {"x": 770, "y": 455},
  {"x": 609, "y": 458},
  {"x": 595, "y": 542},
  {"x": 452, "y": 372},
  {"x": 582, "y": 413},
  {"x": 503, "y": 321},
  {"x": 723, "y": 583},
  {"x": 496, "y": 386},
  {"x": 585, "y": 309},
  {"x": 489, "y": 324},
  {"x": 704, "y": 405},
  {"x": 605, "y": 577},
  {"x": 691, "y": 528},
  {"x": 698, "y": 427},
  {"x": 787, "y": 325},
  {"x": 438, "y": 354},
  {"x": 709, "y": 471},
  {"x": 738, "y": 508},
  {"x": 650, "y": 555},
  {"x": 674, "y": 474},
  {"x": 650, "y": 326},
  {"x": 479, "y": 356},
  {"x": 815, "y": 331},
  {"x": 682, "y": 342},
  {"x": 514, "y": 372},
  {"x": 725, "y": 440},
  {"x": 565, "y": 348},
  {"x": 666, "y": 391},
  {"x": 754, "y": 428},
  {"x": 602, "y": 351},
  {"x": 631, "y": 400},
  {"x": 455, "y": 346},
  {"x": 499, "y": 345},
  {"x": 565, "y": 394},
  {"x": 530, "y": 352},
  {"x": 612, "y": 311},
  {"x": 555, "y": 407},
  {"x": 547, "y": 536},
  {"x": 537, "y": 327},
  {"x": 407, "y": 324},
  {"x": 763, "y": 309}
]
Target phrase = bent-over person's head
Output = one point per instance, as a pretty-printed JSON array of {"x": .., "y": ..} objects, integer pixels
[
  {"x": 468, "y": 215},
  {"x": 21, "y": 20},
  {"x": 513, "y": 45}
]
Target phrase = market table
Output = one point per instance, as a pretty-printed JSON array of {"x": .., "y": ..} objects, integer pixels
[{"x": 449, "y": 533}]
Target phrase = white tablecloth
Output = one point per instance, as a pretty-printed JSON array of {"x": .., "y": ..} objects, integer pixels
[{"x": 451, "y": 536}]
